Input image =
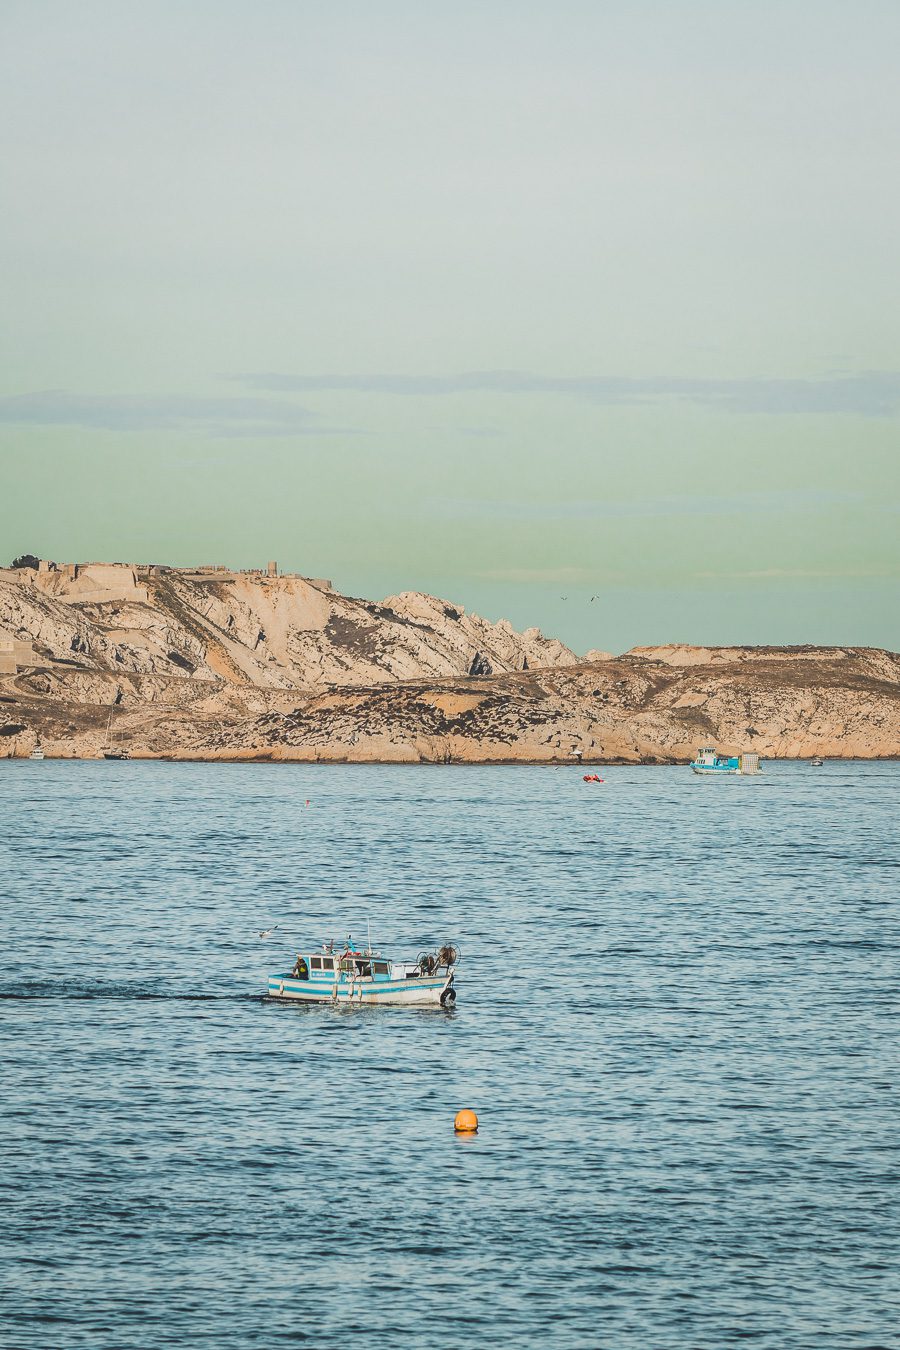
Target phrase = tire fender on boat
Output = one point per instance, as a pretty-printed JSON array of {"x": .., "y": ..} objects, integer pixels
[{"x": 448, "y": 997}]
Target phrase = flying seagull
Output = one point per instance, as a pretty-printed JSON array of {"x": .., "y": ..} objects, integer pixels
[{"x": 267, "y": 932}]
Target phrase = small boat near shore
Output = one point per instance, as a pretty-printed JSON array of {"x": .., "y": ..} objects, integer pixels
[
  {"x": 710, "y": 762},
  {"x": 816, "y": 762},
  {"x": 37, "y": 752},
  {"x": 366, "y": 978}
]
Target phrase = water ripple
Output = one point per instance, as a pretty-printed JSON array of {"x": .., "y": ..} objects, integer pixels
[{"x": 677, "y": 1022}]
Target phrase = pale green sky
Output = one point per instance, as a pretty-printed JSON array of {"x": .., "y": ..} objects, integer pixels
[{"x": 520, "y": 303}]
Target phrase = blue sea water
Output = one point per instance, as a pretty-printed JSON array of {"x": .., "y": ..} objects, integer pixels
[{"x": 677, "y": 1021}]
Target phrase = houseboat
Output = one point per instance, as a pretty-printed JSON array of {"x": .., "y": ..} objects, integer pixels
[
  {"x": 367, "y": 978},
  {"x": 709, "y": 761}
]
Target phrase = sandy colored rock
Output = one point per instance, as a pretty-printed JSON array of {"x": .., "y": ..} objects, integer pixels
[
  {"x": 843, "y": 704},
  {"x": 286, "y": 632},
  {"x": 213, "y": 664}
]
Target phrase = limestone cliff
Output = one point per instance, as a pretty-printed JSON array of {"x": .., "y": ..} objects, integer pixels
[
  {"x": 842, "y": 703},
  {"x": 281, "y": 632},
  {"x": 228, "y": 665}
]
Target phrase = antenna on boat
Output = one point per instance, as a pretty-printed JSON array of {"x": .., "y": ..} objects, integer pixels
[{"x": 369, "y": 935}]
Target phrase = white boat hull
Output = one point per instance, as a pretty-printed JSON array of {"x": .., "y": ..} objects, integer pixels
[{"x": 420, "y": 991}]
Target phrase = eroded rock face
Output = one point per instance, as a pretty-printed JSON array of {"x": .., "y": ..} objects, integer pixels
[
  {"x": 249, "y": 629},
  {"x": 215, "y": 664},
  {"x": 842, "y": 703}
]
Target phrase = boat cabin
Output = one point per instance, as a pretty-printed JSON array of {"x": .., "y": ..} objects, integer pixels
[
  {"x": 709, "y": 761},
  {"x": 331, "y": 965},
  {"x": 709, "y": 758}
]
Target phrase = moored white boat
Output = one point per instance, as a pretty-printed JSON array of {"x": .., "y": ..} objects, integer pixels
[
  {"x": 709, "y": 761},
  {"x": 367, "y": 977}
]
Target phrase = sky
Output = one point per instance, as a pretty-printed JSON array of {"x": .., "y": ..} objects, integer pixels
[{"x": 585, "y": 315}]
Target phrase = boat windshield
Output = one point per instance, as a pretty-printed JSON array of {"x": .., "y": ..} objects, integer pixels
[{"x": 357, "y": 965}]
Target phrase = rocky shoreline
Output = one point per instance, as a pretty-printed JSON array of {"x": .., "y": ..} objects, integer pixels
[
  {"x": 203, "y": 666},
  {"x": 627, "y": 710}
]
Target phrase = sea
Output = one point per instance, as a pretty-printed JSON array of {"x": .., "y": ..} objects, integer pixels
[{"x": 677, "y": 1024}]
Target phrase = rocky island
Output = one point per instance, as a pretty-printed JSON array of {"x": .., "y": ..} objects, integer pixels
[{"x": 209, "y": 663}]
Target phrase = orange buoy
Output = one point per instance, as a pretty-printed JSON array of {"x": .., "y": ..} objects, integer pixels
[{"x": 466, "y": 1122}]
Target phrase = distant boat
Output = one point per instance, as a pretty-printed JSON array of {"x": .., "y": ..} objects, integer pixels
[
  {"x": 110, "y": 749},
  {"x": 816, "y": 762},
  {"x": 366, "y": 977},
  {"x": 709, "y": 761},
  {"x": 37, "y": 752}
]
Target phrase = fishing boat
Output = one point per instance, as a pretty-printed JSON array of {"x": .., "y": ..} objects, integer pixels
[
  {"x": 367, "y": 978},
  {"x": 709, "y": 761},
  {"x": 37, "y": 752}
]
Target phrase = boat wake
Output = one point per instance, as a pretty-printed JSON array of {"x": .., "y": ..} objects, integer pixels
[{"x": 55, "y": 992}]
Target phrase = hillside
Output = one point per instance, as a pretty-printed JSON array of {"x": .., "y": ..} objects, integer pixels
[
  {"x": 251, "y": 628},
  {"x": 214, "y": 665}
]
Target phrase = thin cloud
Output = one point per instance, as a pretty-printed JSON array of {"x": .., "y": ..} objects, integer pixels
[
  {"x": 871, "y": 393},
  {"x": 478, "y": 433},
  {"x": 539, "y": 575},
  {"x": 796, "y": 501},
  {"x": 592, "y": 577},
  {"x": 805, "y": 574},
  {"x": 246, "y": 416}
]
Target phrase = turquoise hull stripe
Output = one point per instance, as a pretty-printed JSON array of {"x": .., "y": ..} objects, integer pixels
[{"x": 373, "y": 990}]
